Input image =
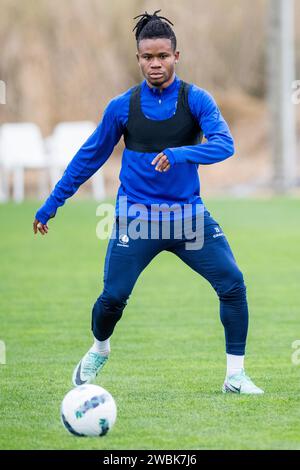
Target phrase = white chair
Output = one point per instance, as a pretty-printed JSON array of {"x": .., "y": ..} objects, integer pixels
[
  {"x": 63, "y": 144},
  {"x": 21, "y": 147}
]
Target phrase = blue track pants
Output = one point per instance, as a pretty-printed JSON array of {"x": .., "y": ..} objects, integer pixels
[{"x": 126, "y": 259}]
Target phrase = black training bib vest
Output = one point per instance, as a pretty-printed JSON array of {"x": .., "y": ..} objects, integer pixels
[{"x": 148, "y": 136}]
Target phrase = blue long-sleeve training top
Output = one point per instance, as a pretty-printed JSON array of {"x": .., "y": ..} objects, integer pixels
[{"x": 140, "y": 182}]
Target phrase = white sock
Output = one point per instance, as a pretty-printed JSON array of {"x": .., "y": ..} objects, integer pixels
[
  {"x": 235, "y": 364},
  {"x": 101, "y": 347}
]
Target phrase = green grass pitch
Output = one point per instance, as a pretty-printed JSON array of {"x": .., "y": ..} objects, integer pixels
[{"x": 167, "y": 363}]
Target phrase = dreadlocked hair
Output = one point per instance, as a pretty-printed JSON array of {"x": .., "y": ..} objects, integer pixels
[{"x": 153, "y": 27}]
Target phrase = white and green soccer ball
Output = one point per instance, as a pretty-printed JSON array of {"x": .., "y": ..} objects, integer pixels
[{"x": 88, "y": 410}]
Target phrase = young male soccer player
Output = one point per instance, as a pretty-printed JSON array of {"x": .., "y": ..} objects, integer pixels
[{"x": 162, "y": 121}]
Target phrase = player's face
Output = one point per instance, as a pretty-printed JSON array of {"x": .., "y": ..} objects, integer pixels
[{"x": 157, "y": 60}]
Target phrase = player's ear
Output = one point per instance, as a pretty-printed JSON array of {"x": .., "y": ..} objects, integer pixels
[
  {"x": 177, "y": 54},
  {"x": 137, "y": 56}
]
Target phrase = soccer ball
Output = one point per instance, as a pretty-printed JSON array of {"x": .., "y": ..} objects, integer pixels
[{"x": 88, "y": 410}]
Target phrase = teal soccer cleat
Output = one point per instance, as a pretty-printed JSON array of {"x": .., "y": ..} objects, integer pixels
[
  {"x": 241, "y": 383},
  {"x": 88, "y": 368}
]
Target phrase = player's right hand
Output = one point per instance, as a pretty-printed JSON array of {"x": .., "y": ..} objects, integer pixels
[{"x": 38, "y": 226}]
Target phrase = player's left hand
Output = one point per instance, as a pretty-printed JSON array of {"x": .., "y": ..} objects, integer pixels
[{"x": 162, "y": 162}]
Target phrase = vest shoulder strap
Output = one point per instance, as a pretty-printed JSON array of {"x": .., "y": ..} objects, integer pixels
[
  {"x": 135, "y": 100},
  {"x": 185, "y": 88}
]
